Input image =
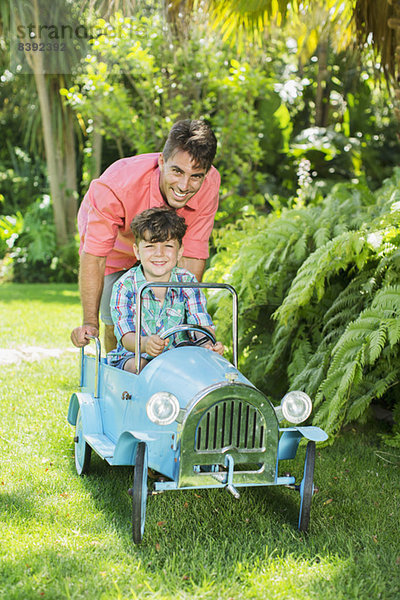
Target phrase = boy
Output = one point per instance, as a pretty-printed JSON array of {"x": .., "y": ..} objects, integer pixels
[{"x": 158, "y": 245}]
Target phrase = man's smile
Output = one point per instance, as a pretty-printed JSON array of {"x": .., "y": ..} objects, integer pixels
[{"x": 179, "y": 195}]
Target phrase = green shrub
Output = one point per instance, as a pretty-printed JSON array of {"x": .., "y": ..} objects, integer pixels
[
  {"x": 10, "y": 227},
  {"x": 22, "y": 179},
  {"x": 33, "y": 250},
  {"x": 319, "y": 291}
]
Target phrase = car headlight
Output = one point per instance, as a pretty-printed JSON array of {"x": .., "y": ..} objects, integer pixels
[
  {"x": 296, "y": 407},
  {"x": 162, "y": 408}
]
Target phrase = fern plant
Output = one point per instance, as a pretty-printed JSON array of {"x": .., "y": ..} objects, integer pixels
[
  {"x": 319, "y": 292},
  {"x": 374, "y": 336}
]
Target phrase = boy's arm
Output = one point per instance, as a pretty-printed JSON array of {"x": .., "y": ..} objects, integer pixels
[
  {"x": 123, "y": 312},
  {"x": 218, "y": 346},
  {"x": 150, "y": 344},
  {"x": 201, "y": 313}
]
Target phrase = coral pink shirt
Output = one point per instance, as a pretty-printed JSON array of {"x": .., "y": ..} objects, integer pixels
[{"x": 125, "y": 189}]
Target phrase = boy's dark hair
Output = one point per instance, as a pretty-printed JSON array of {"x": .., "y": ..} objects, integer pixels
[
  {"x": 195, "y": 137},
  {"x": 158, "y": 224}
]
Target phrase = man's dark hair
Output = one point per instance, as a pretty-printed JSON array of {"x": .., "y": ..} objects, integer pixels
[
  {"x": 195, "y": 137},
  {"x": 158, "y": 224}
]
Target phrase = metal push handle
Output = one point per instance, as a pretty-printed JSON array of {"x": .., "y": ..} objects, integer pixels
[
  {"x": 97, "y": 364},
  {"x": 170, "y": 284}
]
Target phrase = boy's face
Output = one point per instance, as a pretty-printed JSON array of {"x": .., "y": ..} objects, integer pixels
[
  {"x": 158, "y": 258},
  {"x": 180, "y": 179}
]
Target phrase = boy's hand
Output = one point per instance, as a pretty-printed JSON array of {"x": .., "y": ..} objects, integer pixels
[
  {"x": 217, "y": 347},
  {"x": 154, "y": 345}
]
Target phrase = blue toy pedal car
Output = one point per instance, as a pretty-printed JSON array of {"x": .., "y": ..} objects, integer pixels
[{"x": 193, "y": 418}]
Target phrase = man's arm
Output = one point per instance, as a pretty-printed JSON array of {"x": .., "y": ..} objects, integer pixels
[
  {"x": 194, "y": 265},
  {"x": 91, "y": 281},
  {"x": 200, "y": 224}
]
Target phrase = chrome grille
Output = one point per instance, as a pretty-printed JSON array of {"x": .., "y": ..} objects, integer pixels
[{"x": 230, "y": 424}]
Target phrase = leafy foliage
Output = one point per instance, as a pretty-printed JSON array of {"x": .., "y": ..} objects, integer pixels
[
  {"x": 138, "y": 82},
  {"x": 21, "y": 179},
  {"x": 296, "y": 99},
  {"x": 10, "y": 228},
  {"x": 319, "y": 290},
  {"x": 138, "y": 79},
  {"x": 142, "y": 73},
  {"x": 33, "y": 254}
]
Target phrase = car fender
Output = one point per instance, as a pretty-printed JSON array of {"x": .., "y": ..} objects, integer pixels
[
  {"x": 125, "y": 448},
  {"x": 291, "y": 436},
  {"x": 90, "y": 412}
]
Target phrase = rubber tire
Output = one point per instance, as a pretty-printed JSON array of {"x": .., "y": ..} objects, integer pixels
[
  {"x": 83, "y": 451},
  {"x": 307, "y": 487},
  {"x": 139, "y": 492}
]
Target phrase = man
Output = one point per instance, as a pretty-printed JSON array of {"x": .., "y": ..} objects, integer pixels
[{"x": 181, "y": 177}]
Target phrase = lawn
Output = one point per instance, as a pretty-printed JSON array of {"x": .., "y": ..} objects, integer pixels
[{"x": 66, "y": 537}]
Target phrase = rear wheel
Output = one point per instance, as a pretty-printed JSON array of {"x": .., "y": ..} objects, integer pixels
[
  {"x": 83, "y": 451},
  {"x": 139, "y": 492},
  {"x": 307, "y": 487}
]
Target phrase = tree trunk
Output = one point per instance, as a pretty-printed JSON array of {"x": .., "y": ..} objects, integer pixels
[
  {"x": 60, "y": 155},
  {"x": 35, "y": 61},
  {"x": 50, "y": 146},
  {"x": 97, "y": 146},
  {"x": 321, "y": 107},
  {"x": 71, "y": 186}
]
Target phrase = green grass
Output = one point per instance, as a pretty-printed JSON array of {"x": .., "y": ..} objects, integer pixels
[
  {"x": 42, "y": 315},
  {"x": 66, "y": 537}
]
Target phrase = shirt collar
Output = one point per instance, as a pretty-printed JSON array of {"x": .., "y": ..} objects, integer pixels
[
  {"x": 140, "y": 280},
  {"x": 156, "y": 198},
  {"x": 174, "y": 279}
]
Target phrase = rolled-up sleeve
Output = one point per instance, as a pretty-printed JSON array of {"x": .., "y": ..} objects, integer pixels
[
  {"x": 123, "y": 302},
  {"x": 100, "y": 217},
  {"x": 196, "y": 307}
]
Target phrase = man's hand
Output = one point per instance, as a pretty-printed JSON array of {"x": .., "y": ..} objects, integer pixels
[
  {"x": 154, "y": 345},
  {"x": 80, "y": 335}
]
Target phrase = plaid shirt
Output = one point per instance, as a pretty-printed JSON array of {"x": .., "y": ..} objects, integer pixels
[{"x": 181, "y": 305}]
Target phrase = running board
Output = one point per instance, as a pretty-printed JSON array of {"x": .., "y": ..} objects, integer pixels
[{"x": 101, "y": 444}]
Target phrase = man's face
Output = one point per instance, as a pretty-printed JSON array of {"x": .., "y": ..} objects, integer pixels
[{"x": 180, "y": 179}]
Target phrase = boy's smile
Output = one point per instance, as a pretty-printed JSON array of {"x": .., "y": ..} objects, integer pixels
[{"x": 158, "y": 258}]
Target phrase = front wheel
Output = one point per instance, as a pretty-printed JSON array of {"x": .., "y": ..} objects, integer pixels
[
  {"x": 307, "y": 487},
  {"x": 139, "y": 492},
  {"x": 83, "y": 451}
]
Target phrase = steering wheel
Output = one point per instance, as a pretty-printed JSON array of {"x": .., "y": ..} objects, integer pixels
[{"x": 207, "y": 335}]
